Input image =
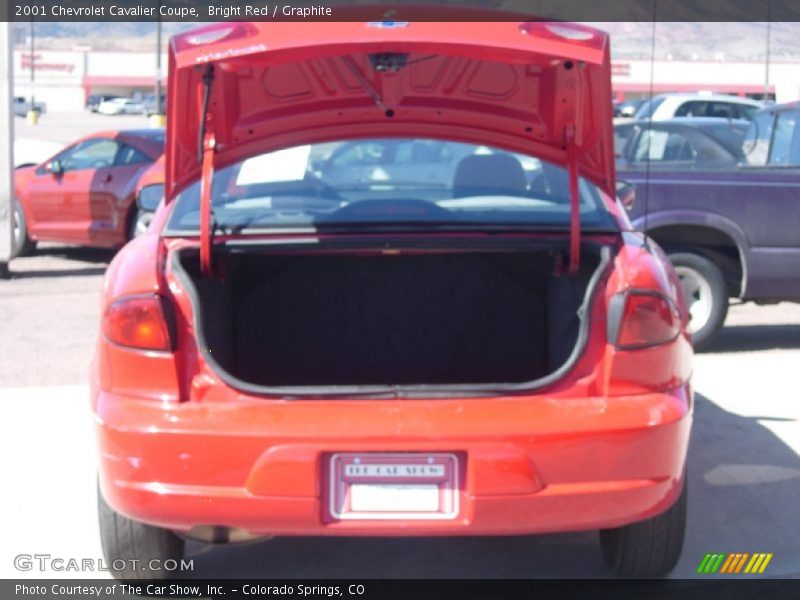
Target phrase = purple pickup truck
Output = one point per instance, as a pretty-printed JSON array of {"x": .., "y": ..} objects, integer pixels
[{"x": 727, "y": 211}]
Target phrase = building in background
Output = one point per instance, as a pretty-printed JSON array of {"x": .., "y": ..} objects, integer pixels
[
  {"x": 632, "y": 79},
  {"x": 65, "y": 79}
]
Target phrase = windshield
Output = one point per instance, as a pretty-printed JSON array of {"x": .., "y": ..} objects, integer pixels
[
  {"x": 385, "y": 182},
  {"x": 649, "y": 107}
]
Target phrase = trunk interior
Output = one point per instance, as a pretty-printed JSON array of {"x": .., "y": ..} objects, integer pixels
[{"x": 371, "y": 318}]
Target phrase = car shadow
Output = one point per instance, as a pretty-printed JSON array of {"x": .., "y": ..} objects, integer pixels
[
  {"x": 743, "y": 485},
  {"x": 52, "y": 273},
  {"x": 74, "y": 261},
  {"x": 77, "y": 253},
  {"x": 748, "y": 338},
  {"x": 396, "y": 558}
]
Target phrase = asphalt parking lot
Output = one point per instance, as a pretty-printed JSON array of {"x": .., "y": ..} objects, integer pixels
[{"x": 744, "y": 470}]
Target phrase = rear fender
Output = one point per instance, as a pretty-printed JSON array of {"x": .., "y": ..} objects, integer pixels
[
  {"x": 135, "y": 271},
  {"x": 657, "y": 368}
]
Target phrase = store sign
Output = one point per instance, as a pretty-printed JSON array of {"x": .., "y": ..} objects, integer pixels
[
  {"x": 620, "y": 69},
  {"x": 46, "y": 62}
]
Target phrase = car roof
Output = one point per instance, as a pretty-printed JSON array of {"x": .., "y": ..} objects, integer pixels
[
  {"x": 780, "y": 107},
  {"x": 152, "y": 139},
  {"x": 710, "y": 97},
  {"x": 146, "y": 132},
  {"x": 150, "y": 132},
  {"x": 692, "y": 121}
]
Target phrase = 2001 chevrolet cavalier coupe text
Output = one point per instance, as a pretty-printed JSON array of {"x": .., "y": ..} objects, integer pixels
[{"x": 388, "y": 351}]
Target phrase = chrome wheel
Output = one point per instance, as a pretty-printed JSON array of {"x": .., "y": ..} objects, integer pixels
[
  {"x": 19, "y": 229},
  {"x": 699, "y": 298},
  {"x": 141, "y": 223}
]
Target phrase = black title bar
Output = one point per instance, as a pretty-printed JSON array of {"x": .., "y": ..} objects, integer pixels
[
  {"x": 198, "y": 11},
  {"x": 418, "y": 589}
]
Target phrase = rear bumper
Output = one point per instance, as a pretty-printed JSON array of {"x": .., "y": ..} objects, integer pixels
[{"x": 531, "y": 465}]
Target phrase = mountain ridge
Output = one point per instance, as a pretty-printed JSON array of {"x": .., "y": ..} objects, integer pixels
[{"x": 629, "y": 40}]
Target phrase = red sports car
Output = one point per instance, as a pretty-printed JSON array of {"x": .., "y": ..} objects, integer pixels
[
  {"x": 385, "y": 353},
  {"x": 85, "y": 193}
]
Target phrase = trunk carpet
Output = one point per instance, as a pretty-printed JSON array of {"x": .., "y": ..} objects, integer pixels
[{"x": 394, "y": 320}]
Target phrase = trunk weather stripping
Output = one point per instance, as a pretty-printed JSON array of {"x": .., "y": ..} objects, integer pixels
[
  {"x": 205, "y": 155},
  {"x": 367, "y": 392}
]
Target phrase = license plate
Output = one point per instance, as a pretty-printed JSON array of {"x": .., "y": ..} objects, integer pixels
[{"x": 393, "y": 486}]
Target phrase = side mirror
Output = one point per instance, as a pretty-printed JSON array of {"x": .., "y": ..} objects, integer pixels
[
  {"x": 55, "y": 167},
  {"x": 626, "y": 192},
  {"x": 150, "y": 197}
]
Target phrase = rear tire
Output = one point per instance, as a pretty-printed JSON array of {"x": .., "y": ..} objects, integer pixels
[
  {"x": 23, "y": 245},
  {"x": 129, "y": 546},
  {"x": 648, "y": 548},
  {"x": 706, "y": 296}
]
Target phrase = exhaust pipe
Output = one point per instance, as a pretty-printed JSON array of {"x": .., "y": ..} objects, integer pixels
[{"x": 219, "y": 534}]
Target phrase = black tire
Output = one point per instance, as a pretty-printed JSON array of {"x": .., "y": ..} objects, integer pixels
[
  {"x": 129, "y": 546},
  {"x": 22, "y": 244},
  {"x": 648, "y": 548},
  {"x": 713, "y": 280},
  {"x": 138, "y": 222}
]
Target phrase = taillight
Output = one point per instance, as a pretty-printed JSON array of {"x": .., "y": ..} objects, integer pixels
[
  {"x": 642, "y": 318},
  {"x": 138, "y": 322}
]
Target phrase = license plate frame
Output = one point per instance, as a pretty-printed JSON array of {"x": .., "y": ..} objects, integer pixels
[{"x": 378, "y": 485}]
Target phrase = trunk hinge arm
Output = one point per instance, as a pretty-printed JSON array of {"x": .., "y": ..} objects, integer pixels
[
  {"x": 574, "y": 200},
  {"x": 206, "y": 178},
  {"x": 206, "y": 146}
]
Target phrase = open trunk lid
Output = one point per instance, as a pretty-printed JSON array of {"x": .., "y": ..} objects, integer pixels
[{"x": 241, "y": 89}]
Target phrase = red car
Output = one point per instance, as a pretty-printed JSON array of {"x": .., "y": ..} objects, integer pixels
[
  {"x": 394, "y": 356},
  {"x": 85, "y": 193}
]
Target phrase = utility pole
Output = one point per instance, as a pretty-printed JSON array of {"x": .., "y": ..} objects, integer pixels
[
  {"x": 33, "y": 66},
  {"x": 766, "y": 69},
  {"x": 157, "y": 119},
  {"x": 33, "y": 114},
  {"x": 159, "y": 107},
  {"x": 6, "y": 148}
]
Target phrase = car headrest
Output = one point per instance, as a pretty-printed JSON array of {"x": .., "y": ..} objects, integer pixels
[{"x": 489, "y": 175}]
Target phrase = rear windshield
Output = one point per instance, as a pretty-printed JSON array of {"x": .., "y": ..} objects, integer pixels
[
  {"x": 730, "y": 135},
  {"x": 389, "y": 182}
]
